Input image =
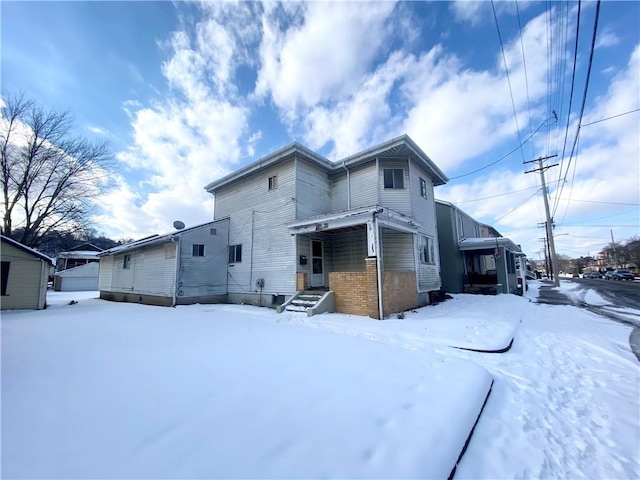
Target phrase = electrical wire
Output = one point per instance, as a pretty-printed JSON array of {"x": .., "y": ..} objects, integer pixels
[
  {"x": 504, "y": 156},
  {"x": 584, "y": 101},
  {"x": 517, "y": 207},
  {"x": 609, "y": 118},
  {"x": 526, "y": 76}
]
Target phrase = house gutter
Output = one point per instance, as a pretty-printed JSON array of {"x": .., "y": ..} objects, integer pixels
[
  {"x": 42, "y": 301},
  {"x": 176, "y": 283}
]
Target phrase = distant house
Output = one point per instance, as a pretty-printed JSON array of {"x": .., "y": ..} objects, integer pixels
[
  {"x": 474, "y": 257},
  {"x": 182, "y": 267},
  {"x": 80, "y": 255},
  {"x": 25, "y": 272},
  {"x": 360, "y": 233},
  {"x": 77, "y": 279}
]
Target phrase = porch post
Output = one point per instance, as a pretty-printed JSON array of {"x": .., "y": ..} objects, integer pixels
[{"x": 374, "y": 250}]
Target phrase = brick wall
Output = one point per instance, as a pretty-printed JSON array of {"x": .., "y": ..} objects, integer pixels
[
  {"x": 399, "y": 292},
  {"x": 356, "y": 292},
  {"x": 301, "y": 281}
]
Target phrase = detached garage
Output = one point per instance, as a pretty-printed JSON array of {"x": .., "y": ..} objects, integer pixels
[
  {"x": 25, "y": 272},
  {"x": 77, "y": 279}
]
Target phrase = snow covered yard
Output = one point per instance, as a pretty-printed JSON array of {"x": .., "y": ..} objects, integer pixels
[
  {"x": 128, "y": 391},
  {"x": 107, "y": 390}
]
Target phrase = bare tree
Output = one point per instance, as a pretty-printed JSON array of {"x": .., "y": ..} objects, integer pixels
[{"x": 50, "y": 177}]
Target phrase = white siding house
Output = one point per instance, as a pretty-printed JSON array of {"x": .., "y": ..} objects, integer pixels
[
  {"x": 25, "y": 274},
  {"x": 77, "y": 279},
  {"x": 182, "y": 267},
  {"x": 364, "y": 223}
]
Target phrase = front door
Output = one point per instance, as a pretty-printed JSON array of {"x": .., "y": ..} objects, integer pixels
[{"x": 316, "y": 279}]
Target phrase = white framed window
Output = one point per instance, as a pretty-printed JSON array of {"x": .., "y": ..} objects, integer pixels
[
  {"x": 273, "y": 182},
  {"x": 235, "y": 253},
  {"x": 126, "y": 261},
  {"x": 198, "y": 250},
  {"x": 423, "y": 188},
  {"x": 426, "y": 249},
  {"x": 393, "y": 178}
]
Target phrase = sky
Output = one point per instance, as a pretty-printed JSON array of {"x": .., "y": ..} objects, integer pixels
[{"x": 188, "y": 92}]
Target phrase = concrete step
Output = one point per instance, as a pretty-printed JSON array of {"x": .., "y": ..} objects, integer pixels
[{"x": 295, "y": 308}]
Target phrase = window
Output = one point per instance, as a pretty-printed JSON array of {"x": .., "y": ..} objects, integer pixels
[
  {"x": 5, "y": 277},
  {"x": 427, "y": 249},
  {"x": 126, "y": 261},
  {"x": 273, "y": 182},
  {"x": 423, "y": 188},
  {"x": 213, "y": 231},
  {"x": 460, "y": 226},
  {"x": 393, "y": 178},
  {"x": 198, "y": 250},
  {"x": 235, "y": 253}
]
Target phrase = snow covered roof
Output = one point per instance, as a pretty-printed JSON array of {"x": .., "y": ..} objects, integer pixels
[
  {"x": 86, "y": 270},
  {"x": 151, "y": 240},
  {"x": 399, "y": 147},
  {"x": 79, "y": 254},
  {"x": 489, "y": 242},
  {"x": 26, "y": 249}
]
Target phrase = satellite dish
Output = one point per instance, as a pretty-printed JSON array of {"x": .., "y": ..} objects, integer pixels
[
  {"x": 260, "y": 283},
  {"x": 178, "y": 225}
]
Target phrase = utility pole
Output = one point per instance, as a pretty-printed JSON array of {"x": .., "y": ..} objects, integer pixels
[
  {"x": 613, "y": 247},
  {"x": 549, "y": 225}
]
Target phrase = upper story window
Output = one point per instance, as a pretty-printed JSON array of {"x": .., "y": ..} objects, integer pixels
[
  {"x": 423, "y": 188},
  {"x": 126, "y": 261},
  {"x": 198, "y": 250},
  {"x": 235, "y": 253},
  {"x": 273, "y": 182},
  {"x": 393, "y": 178}
]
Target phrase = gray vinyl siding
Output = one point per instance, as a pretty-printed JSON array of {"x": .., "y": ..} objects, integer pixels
[
  {"x": 363, "y": 181},
  {"x": 105, "y": 273},
  {"x": 207, "y": 275},
  {"x": 423, "y": 210},
  {"x": 258, "y": 216},
  {"x": 349, "y": 251},
  {"x": 152, "y": 271},
  {"x": 313, "y": 190},
  {"x": 397, "y": 250},
  {"x": 398, "y": 200},
  {"x": 339, "y": 192},
  {"x": 26, "y": 286},
  {"x": 451, "y": 260}
]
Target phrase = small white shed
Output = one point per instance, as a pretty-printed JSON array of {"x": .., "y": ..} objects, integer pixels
[{"x": 78, "y": 279}]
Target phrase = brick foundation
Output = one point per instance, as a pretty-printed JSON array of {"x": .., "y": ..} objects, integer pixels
[
  {"x": 398, "y": 292},
  {"x": 356, "y": 292}
]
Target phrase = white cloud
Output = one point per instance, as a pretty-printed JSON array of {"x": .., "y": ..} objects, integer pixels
[
  {"x": 607, "y": 39},
  {"x": 99, "y": 130}
]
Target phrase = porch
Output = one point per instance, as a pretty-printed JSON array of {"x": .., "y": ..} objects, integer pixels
[
  {"x": 489, "y": 265},
  {"x": 366, "y": 257}
]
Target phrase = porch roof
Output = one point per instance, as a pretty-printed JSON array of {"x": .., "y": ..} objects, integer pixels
[
  {"x": 351, "y": 218},
  {"x": 467, "y": 244}
]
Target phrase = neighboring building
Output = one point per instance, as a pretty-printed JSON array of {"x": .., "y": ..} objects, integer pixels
[
  {"x": 363, "y": 228},
  {"x": 77, "y": 279},
  {"x": 25, "y": 272},
  {"x": 80, "y": 255},
  {"x": 474, "y": 257},
  {"x": 183, "y": 267}
]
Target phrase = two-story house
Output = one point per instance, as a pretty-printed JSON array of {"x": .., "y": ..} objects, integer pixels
[
  {"x": 363, "y": 228},
  {"x": 474, "y": 257}
]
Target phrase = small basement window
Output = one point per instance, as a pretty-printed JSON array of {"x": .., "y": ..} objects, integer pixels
[
  {"x": 394, "y": 178},
  {"x": 235, "y": 253},
  {"x": 126, "y": 261},
  {"x": 273, "y": 182},
  {"x": 5, "y": 277},
  {"x": 198, "y": 250}
]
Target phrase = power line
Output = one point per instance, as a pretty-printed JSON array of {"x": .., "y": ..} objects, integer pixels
[
  {"x": 584, "y": 100},
  {"x": 500, "y": 194},
  {"x": 609, "y": 118},
  {"x": 526, "y": 76},
  {"x": 506, "y": 69},
  {"x": 517, "y": 207},
  {"x": 606, "y": 203},
  {"x": 503, "y": 157}
]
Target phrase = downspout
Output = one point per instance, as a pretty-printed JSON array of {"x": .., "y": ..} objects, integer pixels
[
  {"x": 176, "y": 283},
  {"x": 45, "y": 282},
  {"x": 506, "y": 272},
  {"x": 348, "y": 186},
  {"x": 376, "y": 226},
  {"x": 253, "y": 216}
]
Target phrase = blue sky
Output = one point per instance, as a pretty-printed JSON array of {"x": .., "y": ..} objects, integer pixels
[{"x": 187, "y": 92}]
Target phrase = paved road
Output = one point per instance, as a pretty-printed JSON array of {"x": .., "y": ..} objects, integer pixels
[{"x": 620, "y": 293}]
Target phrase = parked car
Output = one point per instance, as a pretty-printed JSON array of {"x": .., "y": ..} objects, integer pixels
[
  {"x": 596, "y": 275},
  {"x": 575, "y": 275},
  {"x": 608, "y": 274},
  {"x": 622, "y": 274}
]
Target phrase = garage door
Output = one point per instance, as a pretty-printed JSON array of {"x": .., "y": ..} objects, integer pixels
[{"x": 79, "y": 284}]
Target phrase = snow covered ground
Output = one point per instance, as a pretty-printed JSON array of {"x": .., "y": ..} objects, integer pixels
[{"x": 100, "y": 389}]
